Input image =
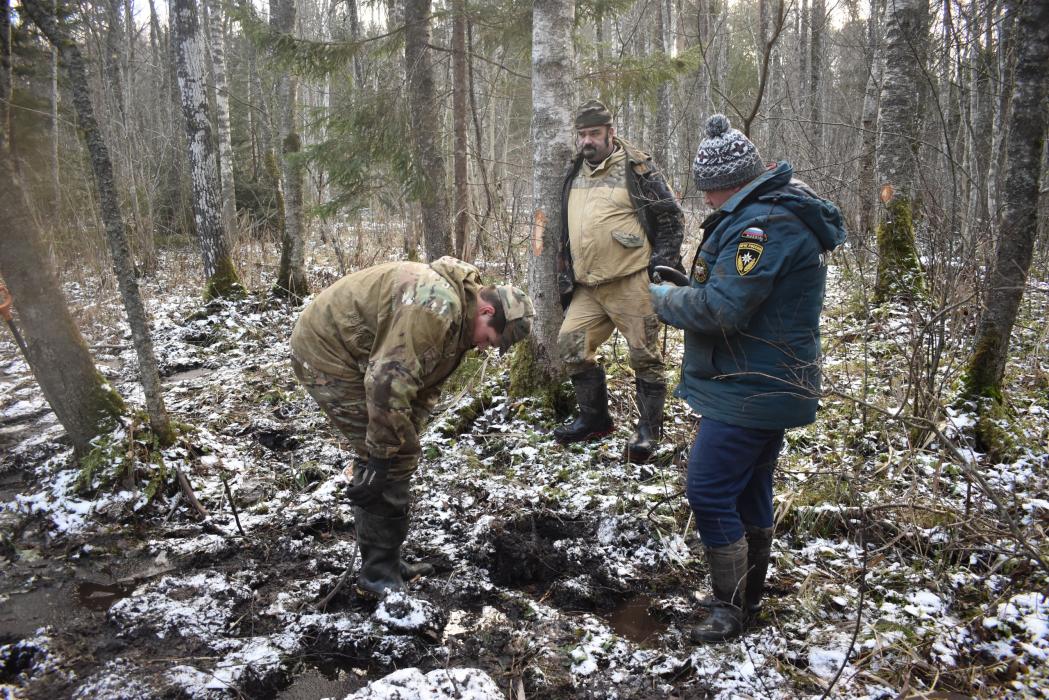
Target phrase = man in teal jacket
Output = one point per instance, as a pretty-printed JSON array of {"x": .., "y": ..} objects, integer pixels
[{"x": 751, "y": 315}]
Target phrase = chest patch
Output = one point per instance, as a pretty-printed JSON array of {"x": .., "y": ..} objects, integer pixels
[
  {"x": 700, "y": 270},
  {"x": 754, "y": 234},
  {"x": 747, "y": 255}
]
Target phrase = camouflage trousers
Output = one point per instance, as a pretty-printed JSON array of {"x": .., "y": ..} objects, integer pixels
[
  {"x": 345, "y": 403},
  {"x": 595, "y": 312}
]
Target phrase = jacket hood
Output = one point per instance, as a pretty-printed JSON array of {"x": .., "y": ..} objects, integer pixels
[{"x": 778, "y": 185}]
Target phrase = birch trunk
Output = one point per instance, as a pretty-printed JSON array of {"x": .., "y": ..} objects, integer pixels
[
  {"x": 1019, "y": 219},
  {"x": 426, "y": 124},
  {"x": 225, "y": 145},
  {"x": 552, "y": 100},
  {"x": 899, "y": 272},
  {"x": 221, "y": 277},
  {"x": 291, "y": 276},
  {"x": 109, "y": 202}
]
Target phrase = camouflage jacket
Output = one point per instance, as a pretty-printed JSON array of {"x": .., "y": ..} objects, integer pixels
[{"x": 401, "y": 328}]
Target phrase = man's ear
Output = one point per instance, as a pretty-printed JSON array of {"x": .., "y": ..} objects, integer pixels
[{"x": 484, "y": 307}]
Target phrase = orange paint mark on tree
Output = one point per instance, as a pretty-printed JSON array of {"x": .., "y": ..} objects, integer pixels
[{"x": 538, "y": 227}]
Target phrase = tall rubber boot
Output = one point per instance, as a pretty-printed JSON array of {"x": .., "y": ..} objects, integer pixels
[
  {"x": 728, "y": 579},
  {"x": 651, "y": 397},
  {"x": 593, "y": 421},
  {"x": 379, "y": 538},
  {"x": 759, "y": 550}
]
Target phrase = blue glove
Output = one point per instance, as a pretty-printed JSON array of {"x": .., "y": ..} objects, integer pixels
[{"x": 659, "y": 291}]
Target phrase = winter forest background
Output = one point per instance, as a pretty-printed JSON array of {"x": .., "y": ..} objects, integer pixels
[{"x": 177, "y": 180}]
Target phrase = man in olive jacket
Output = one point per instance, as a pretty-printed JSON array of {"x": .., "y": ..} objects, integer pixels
[
  {"x": 619, "y": 221},
  {"x": 751, "y": 315},
  {"x": 373, "y": 350}
]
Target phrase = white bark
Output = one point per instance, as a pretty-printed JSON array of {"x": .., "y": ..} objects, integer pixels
[
  {"x": 225, "y": 146},
  {"x": 552, "y": 101},
  {"x": 189, "y": 57}
]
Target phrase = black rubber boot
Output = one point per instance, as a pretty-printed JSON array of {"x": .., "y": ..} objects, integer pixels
[
  {"x": 651, "y": 396},
  {"x": 728, "y": 579},
  {"x": 759, "y": 549},
  {"x": 593, "y": 421},
  {"x": 379, "y": 538}
]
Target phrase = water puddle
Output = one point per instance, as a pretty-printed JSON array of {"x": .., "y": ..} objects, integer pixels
[
  {"x": 314, "y": 683},
  {"x": 100, "y": 596},
  {"x": 632, "y": 620}
]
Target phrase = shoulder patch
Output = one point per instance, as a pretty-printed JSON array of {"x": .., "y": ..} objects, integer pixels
[
  {"x": 747, "y": 255},
  {"x": 754, "y": 233},
  {"x": 700, "y": 270}
]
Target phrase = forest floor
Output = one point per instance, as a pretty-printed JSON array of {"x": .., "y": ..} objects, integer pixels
[{"x": 901, "y": 568}]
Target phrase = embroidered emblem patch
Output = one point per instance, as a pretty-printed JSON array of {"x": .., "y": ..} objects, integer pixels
[
  {"x": 700, "y": 271},
  {"x": 747, "y": 256},
  {"x": 754, "y": 234}
]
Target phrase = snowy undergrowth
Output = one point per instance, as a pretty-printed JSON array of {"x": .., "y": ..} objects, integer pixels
[{"x": 892, "y": 565}]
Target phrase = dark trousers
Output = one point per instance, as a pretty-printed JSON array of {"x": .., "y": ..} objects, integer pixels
[{"x": 730, "y": 479}]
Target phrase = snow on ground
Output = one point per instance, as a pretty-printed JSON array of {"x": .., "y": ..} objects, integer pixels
[{"x": 891, "y": 569}]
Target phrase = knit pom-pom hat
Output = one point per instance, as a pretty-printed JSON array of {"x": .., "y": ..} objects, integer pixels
[{"x": 725, "y": 158}]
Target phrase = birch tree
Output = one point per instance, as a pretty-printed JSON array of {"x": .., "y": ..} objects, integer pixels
[
  {"x": 906, "y": 32},
  {"x": 220, "y": 275},
  {"x": 225, "y": 143},
  {"x": 552, "y": 144},
  {"x": 1018, "y": 226},
  {"x": 429, "y": 175},
  {"x": 112, "y": 216}
]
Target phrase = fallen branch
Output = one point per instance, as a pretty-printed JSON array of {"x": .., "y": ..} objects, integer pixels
[{"x": 191, "y": 497}]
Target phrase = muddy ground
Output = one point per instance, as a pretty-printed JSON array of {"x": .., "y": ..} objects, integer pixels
[{"x": 560, "y": 573}]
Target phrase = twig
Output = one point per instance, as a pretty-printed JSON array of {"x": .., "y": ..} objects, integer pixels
[
  {"x": 187, "y": 491},
  {"x": 232, "y": 505},
  {"x": 338, "y": 585}
]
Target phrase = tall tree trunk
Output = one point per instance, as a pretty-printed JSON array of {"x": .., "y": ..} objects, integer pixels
[
  {"x": 661, "y": 129},
  {"x": 225, "y": 144},
  {"x": 869, "y": 123},
  {"x": 85, "y": 403},
  {"x": 221, "y": 276},
  {"x": 552, "y": 100},
  {"x": 818, "y": 19},
  {"x": 291, "y": 275},
  {"x": 1019, "y": 219},
  {"x": 899, "y": 272},
  {"x": 6, "y": 83},
  {"x": 109, "y": 203},
  {"x": 981, "y": 98},
  {"x": 460, "y": 86},
  {"x": 426, "y": 124}
]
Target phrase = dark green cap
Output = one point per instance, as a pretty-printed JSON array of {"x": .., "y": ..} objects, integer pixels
[{"x": 592, "y": 113}]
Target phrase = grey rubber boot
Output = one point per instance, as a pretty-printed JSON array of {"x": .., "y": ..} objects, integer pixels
[
  {"x": 651, "y": 397},
  {"x": 593, "y": 422},
  {"x": 759, "y": 550},
  {"x": 728, "y": 579}
]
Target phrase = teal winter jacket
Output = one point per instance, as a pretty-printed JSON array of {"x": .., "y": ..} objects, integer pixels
[{"x": 751, "y": 313}]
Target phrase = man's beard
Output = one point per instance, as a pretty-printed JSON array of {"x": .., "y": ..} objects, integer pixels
[{"x": 590, "y": 151}]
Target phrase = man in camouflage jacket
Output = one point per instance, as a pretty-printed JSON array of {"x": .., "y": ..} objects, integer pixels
[
  {"x": 373, "y": 350},
  {"x": 619, "y": 221}
]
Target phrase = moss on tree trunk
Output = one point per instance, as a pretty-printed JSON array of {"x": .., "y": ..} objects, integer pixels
[
  {"x": 528, "y": 378},
  {"x": 900, "y": 275},
  {"x": 225, "y": 283}
]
